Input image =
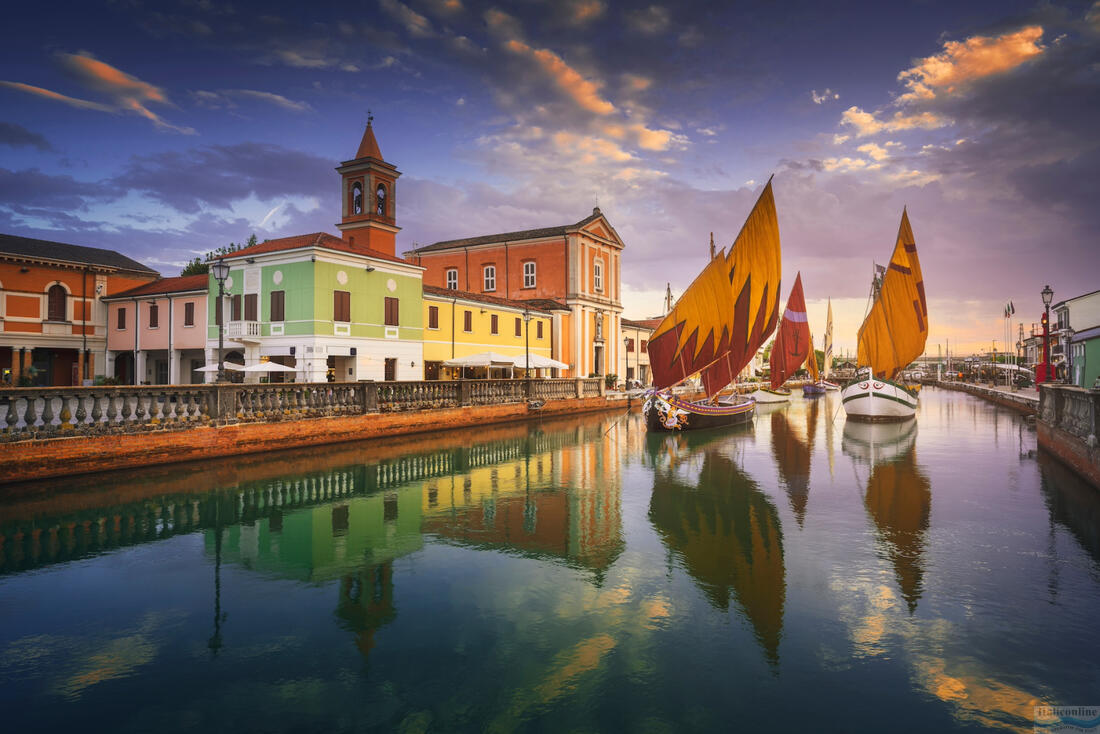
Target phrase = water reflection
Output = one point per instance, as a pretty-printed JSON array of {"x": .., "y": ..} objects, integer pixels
[
  {"x": 898, "y": 496},
  {"x": 723, "y": 529},
  {"x": 792, "y": 457}
]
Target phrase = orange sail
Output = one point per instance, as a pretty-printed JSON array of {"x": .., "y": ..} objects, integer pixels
[
  {"x": 727, "y": 312},
  {"x": 792, "y": 343},
  {"x": 895, "y": 330}
]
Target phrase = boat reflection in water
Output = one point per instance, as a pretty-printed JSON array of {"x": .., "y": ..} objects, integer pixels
[
  {"x": 898, "y": 496},
  {"x": 792, "y": 457},
  {"x": 722, "y": 528}
]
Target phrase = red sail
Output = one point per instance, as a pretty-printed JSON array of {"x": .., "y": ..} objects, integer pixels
[{"x": 792, "y": 342}]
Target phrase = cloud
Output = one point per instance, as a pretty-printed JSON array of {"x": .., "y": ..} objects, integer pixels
[
  {"x": 128, "y": 94},
  {"x": 18, "y": 136},
  {"x": 636, "y": 83},
  {"x": 867, "y": 123},
  {"x": 875, "y": 152},
  {"x": 582, "y": 91},
  {"x": 838, "y": 139},
  {"x": 417, "y": 25},
  {"x": 824, "y": 97},
  {"x": 650, "y": 21},
  {"x": 582, "y": 12},
  {"x": 843, "y": 164},
  {"x": 962, "y": 62},
  {"x": 222, "y": 98}
]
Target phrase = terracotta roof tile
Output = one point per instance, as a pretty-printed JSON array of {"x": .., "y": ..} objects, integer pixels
[
  {"x": 486, "y": 298},
  {"x": 526, "y": 234},
  {"x": 368, "y": 147},
  {"x": 643, "y": 323},
  {"x": 180, "y": 284},
  {"x": 314, "y": 239}
]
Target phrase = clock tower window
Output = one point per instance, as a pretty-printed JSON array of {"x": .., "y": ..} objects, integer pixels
[
  {"x": 380, "y": 198},
  {"x": 357, "y": 198}
]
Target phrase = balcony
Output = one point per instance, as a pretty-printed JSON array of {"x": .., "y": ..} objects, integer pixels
[{"x": 243, "y": 330}]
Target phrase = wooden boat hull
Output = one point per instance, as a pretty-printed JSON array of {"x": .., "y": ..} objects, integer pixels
[
  {"x": 878, "y": 401},
  {"x": 667, "y": 413},
  {"x": 813, "y": 390},
  {"x": 829, "y": 386},
  {"x": 765, "y": 395}
]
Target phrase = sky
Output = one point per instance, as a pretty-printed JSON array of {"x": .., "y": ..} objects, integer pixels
[{"x": 166, "y": 129}]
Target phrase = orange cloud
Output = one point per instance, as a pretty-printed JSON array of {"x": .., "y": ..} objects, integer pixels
[
  {"x": 961, "y": 62},
  {"x": 591, "y": 148},
  {"x": 866, "y": 123},
  {"x": 56, "y": 97},
  {"x": 583, "y": 91}
]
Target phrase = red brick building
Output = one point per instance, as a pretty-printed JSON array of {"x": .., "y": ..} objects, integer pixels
[{"x": 574, "y": 264}]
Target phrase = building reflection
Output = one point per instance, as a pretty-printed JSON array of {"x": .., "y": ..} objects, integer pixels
[
  {"x": 722, "y": 528},
  {"x": 898, "y": 497}
]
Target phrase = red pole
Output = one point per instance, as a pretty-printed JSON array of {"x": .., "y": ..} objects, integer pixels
[{"x": 1046, "y": 346}]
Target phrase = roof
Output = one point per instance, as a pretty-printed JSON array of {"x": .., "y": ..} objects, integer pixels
[
  {"x": 180, "y": 284},
  {"x": 1086, "y": 334},
  {"x": 60, "y": 251},
  {"x": 650, "y": 324},
  {"x": 525, "y": 234},
  {"x": 314, "y": 239},
  {"x": 486, "y": 298},
  {"x": 368, "y": 147},
  {"x": 546, "y": 304}
]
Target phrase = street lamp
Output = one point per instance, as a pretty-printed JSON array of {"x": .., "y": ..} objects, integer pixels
[
  {"x": 527, "y": 351},
  {"x": 1048, "y": 296},
  {"x": 220, "y": 271}
]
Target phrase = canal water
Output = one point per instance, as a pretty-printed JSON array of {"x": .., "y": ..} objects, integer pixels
[{"x": 799, "y": 574}]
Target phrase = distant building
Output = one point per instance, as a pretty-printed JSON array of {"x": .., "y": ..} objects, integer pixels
[
  {"x": 635, "y": 362},
  {"x": 52, "y": 323},
  {"x": 577, "y": 265},
  {"x": 1077, "y": 323},
  {"x": 156, "y": 333}
]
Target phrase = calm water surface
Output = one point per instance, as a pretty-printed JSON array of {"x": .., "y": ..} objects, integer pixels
[{"x": 804, "y": 574}]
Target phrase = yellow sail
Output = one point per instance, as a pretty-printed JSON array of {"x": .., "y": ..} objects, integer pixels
[
  {"x": 811, "y": 362},
  {"x": 894, "y": 332},
  {"x": 728, "y": 311}
]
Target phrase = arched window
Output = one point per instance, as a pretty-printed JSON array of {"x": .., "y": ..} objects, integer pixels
[
  {"x": 57, "y": 301},
  {"x": 380, "y": 198},
  {"x": 357, "y": 198}
]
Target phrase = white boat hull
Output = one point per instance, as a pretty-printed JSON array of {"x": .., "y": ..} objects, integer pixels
[
  {"x": 878, "y": 400},
  {"x": 829, "y": 386},
  {"x": 768, "y": 396}
]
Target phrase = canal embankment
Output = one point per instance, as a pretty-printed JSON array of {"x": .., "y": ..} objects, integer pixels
[
  {"x": 1069, "y": 426},
  {"x": 1022, "y": 401},
  {"x": 56, "y": 432}
]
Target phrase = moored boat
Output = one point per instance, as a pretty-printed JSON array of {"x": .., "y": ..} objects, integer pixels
[
  {"x": 768, "y": 395},
  {"x": 717, "y": 326},
  {"x": 790, "y": 349},
  {"x": 813, "y": 389},
  {"x": 892, "y": 336}
]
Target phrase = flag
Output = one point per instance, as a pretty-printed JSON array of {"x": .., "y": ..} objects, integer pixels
[{"x": 1011, "y": 308}]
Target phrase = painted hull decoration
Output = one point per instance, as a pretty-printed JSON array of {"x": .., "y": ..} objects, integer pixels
[
  {"x": 666, "y": 412},
  {"x": 721, "y": 320},
  {"x": 878, "y": 401},
  {"x": 892, "y": 336}
]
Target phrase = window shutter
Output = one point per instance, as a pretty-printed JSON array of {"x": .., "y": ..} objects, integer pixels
[
  {"x": 236, "y": 308},
  {"x": 250, "y": 307},
  {"x": 519, "y": 326}
]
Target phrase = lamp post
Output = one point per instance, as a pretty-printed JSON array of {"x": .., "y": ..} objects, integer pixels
[
  {"x": 527, "y": 351},
  {"x": 220, "y": 271},
  {"x": 1048, "y": 296}
]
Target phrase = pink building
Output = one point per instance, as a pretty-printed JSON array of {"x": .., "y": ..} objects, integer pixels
[{"x": 156, "y": 333}]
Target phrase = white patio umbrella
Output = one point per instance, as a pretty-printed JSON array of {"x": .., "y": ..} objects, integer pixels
[
  {"x": 269, "y": 367},
  {"x": 539, "y": 362},
  {"x": 481, "y": 359},
  {"x": 214, "y": 367}
]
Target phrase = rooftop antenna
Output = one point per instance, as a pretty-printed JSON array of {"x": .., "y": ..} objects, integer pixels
[{"x": 370, "y": 117}]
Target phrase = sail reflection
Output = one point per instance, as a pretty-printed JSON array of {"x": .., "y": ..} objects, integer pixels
[
  {"x": 898, "y": 497},
  {"x": 723, "y": 529},
  {"x": 792, "y": 457}
]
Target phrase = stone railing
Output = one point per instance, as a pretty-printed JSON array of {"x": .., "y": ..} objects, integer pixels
[
  {"x": 49, "y": 412},
  {"x": 237, "y": 329},
  {"x": 1071, "y": 409}
]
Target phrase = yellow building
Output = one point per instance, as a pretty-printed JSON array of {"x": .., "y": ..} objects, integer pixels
[{"x": 459, "y": 324}]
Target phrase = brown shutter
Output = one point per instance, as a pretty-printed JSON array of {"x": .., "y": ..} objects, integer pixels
[
  {"x": 538, "y": 329},
  {"x": 341, "y": 306},
  {"x": 189, "y": 313},
  {"x": 154, "y": 316},
  {"x": 218, "y": 311},
  {"x": 278, "y": 305},
  {"x": 433, "y": 317},
  {"x": 236, "y": 308},
  {"x": 519, "y": 326},
  {"x": 468, "y": 322},
  {"x": 392, "y": 312},
  {"x": 121, "y": 319},
  {"x": 493, "y": 324},
  {"x": 251, "y": 303}
]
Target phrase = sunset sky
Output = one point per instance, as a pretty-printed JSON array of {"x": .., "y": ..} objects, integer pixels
[{"x": 166, "y": 129}]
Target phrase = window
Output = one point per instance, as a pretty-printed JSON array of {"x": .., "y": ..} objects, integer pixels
[
  {"x": 392, "y": 312},
  {"x": 341, "y": 306},
  {"x": 468, "y": 321},
  {"x": 630, "y": 345},
  {"x": 357, "y": 198},
  {"x": 597, "y": 275},
  {"x": 645, "y": 345},
  {"x": 218, "y": 302},
  {"x": 154, "y": 316},
  {"x": 490, "y": 277},
  {"x": 189, "y": 313},
  {"x": 251, "y": 307},
  {"x": 380, "y": 198},
  {"x": 57, "y": 301},
  {"x": 433, "y": 317},
  {"x": 235, "y": 313},
  {"x": 519, "y": 326},
  {"x": 529, "y": 275},
  {"x": 278, "y": 306},
  {"x": 493, "y": 323},
  {"x": 121, "y": 319},
  {"x": 452, "y": 279},
  {"x": 538, "y": 329},
  {"x": 391, "y": 375}
]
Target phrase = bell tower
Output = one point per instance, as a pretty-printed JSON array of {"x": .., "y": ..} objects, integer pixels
[{"x": 367, "y": 191}]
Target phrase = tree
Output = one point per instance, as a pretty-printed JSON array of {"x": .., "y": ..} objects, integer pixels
[
  {"x": 820, "y": 355},
  {"x": 199, "y": 266}
]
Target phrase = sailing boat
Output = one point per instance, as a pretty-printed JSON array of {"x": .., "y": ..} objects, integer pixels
[
  {"x": 715, "y": 328},
  {"x": 892, "y": 336},
  {"x": 792, "y": 343},
  {"x": 829, "y": 386},
  {"x": 814, "y": 387}
]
